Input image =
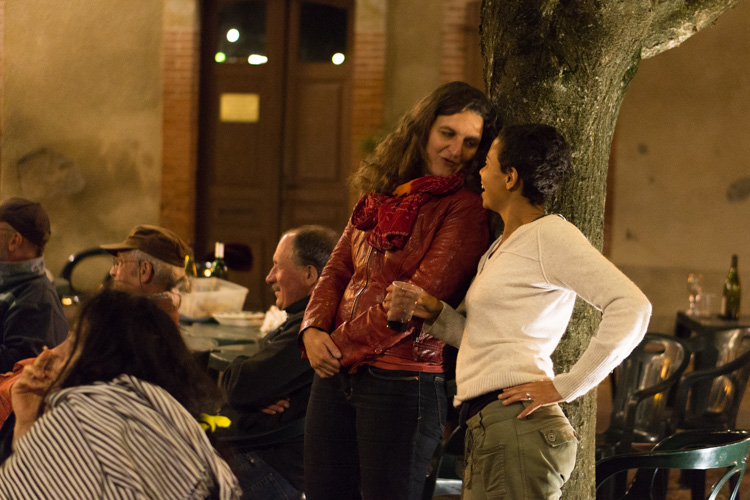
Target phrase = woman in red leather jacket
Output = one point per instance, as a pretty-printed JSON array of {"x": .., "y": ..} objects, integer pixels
[{"x": 378, "y": 401}]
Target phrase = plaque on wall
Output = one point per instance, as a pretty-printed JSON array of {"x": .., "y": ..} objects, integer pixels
[{"x": 239, "y": 108}]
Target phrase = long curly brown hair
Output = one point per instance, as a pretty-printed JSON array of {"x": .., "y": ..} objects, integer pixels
[{"x": 401, "y": 155}]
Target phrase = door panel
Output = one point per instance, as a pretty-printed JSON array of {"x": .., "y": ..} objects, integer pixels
[
  {"x": 317, "y": 102},
  {"x": 317, "y": 138},
  {"x": 261, "y": 176}
]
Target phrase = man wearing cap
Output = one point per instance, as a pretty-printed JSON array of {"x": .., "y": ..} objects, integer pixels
[
  {"x": 151, "y": 260},
  {"x": 31, "y": 315}
]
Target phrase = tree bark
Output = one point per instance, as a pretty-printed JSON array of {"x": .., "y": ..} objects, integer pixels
[{"x": 568, "y": 63}]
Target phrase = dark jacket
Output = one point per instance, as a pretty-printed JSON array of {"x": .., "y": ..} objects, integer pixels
[
  {"x": 277, "y": 370},
  {"x": 449, "y": 236},
  {"x": 31, "y": 315}
]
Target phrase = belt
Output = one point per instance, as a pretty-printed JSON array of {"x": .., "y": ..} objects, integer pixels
[{"x": 472, "y": 406}]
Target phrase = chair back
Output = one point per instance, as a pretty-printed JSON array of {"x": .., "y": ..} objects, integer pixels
[
  {"x": 644, "y": 379},
  {"x": 710, "y": 396},
  {"x": 690, "y": 450},
  {"x": 89, "y": 276}
]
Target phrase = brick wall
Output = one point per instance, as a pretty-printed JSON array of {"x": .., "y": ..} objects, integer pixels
[
  {"x": 180, "y": 64},
  {"x": 368, "y": 90},
  {"x": 454, "y": 40}
]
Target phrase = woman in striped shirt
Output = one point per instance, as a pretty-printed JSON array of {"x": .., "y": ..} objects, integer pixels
[{"x": 116, "y": 419}]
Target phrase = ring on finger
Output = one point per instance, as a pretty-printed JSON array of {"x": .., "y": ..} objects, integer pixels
[{"x": 528, "y": 397}]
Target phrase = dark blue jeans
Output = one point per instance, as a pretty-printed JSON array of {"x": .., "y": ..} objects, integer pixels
[{"x": 372, "y": 433}]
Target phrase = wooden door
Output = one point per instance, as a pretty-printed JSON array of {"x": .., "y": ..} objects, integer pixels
[{"x": 274, "y": 133}]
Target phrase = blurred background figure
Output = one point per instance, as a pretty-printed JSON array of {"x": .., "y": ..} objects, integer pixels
[{"x": 31, "y": 315}]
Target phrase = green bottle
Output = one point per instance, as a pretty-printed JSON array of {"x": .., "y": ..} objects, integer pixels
[
  {"x": 190, "y": 268},
  {"x": 730, "y": 302},
  {"x": 219, "y": 267}
]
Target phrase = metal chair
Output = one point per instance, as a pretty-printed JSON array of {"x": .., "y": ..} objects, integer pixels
[
  {"x": 690, "y": 450},
  {"x": 100, "y": 261},
  {"x": 639, "y": 403},
  {"x": 446, "y": 467},
  {"x": 710, "y": 396}
]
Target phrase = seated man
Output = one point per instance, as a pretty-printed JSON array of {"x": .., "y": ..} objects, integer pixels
[
  {"x": 31, "y": 315},
  {"x": 151, "y": 260},
  {"x": 267, "y": 392},
  {"x": 157, "y": 252}
]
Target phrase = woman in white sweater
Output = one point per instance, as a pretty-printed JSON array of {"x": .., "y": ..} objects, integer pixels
[{"x": 519, "y": 443}]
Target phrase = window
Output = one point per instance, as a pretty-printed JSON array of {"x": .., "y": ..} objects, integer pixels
[
  {"x": 242, "y": 33},
  {"x": 322, "y": 33}
]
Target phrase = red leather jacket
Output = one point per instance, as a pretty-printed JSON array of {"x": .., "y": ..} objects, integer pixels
[{"x": 449, "y": 236}]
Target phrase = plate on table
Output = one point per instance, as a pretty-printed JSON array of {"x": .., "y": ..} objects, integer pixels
[{"x": 240, "y": 318}]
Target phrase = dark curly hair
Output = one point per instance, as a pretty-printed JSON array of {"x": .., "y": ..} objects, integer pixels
[
  {"x": 119, "y": 333},
  {"x": 540, "y": 155},
  {"x": 401, "y": 156}
]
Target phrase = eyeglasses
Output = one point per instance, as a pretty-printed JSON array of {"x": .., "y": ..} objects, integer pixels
[{"x": 117, "y": 261}]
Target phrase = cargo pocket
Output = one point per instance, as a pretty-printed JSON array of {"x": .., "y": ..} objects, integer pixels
[
  {"x": 562, "y": 444},
  {"x": 490, "y": 466}
]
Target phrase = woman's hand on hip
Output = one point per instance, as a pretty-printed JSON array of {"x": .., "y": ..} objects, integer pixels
[
  {"x": 428, "y": 307},
  {"x": 322, "y": 352},
  {"x": 538, "y": 394}
]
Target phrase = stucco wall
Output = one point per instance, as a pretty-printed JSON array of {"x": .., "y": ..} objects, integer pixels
[
  {"x": 82, "y": 116},
  {"x": 413, "y": 57},
  {"x": 682, "y": 167}
]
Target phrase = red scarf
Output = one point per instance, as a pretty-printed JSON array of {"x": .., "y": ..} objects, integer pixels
[{"x": 391, "y": 218}]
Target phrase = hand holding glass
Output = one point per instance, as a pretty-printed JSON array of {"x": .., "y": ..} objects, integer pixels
[{"x": 403, "y": 303}]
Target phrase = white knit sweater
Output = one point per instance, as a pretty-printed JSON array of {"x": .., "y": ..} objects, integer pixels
[{"x": 519, "y": 305}]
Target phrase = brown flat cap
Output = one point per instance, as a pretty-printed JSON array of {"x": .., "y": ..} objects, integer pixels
[
  {"x": 28, "y": 218},
  {"x": 156, "y": 241}
]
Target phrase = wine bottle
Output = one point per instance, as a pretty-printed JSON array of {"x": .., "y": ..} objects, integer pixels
[
  {"x": 219, "y": 267},
  {"x": 190, "y": 268},
  {"x": 730, "y": 301}
]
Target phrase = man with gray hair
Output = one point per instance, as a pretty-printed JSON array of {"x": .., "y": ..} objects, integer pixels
[
  {"x": 151, "y": 260},
  {"x": 31, "y": 315},
  {"x": 267, "y": 392}
]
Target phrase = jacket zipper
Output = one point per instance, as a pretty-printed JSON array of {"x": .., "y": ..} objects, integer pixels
[{"x": 367, "y": 282}]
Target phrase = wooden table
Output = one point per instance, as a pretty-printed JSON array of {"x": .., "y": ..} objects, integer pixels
[
  {"x": 222, "y": 334},
  {"x": 215, "y": 346},
  {"x": 687, "y": 325}
]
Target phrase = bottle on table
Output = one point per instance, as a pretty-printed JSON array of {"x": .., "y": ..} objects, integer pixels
[
  {"x": 219, "y": 267},
  {"x": 190, "y": 268},
  {"x": 730, "y": 301}
]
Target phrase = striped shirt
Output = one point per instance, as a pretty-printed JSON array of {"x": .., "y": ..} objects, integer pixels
[{"x": 122, "y": 439}]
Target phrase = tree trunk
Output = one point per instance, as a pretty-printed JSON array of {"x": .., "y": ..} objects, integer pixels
[{"x": 568, "y": 63}]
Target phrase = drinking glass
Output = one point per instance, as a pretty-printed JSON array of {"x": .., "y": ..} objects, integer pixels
[
  {"x": 404, "y": 301},
  {"x": 695, "y": 287}
]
